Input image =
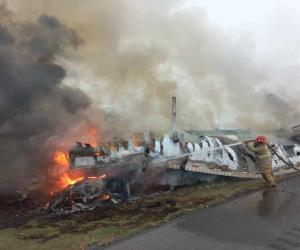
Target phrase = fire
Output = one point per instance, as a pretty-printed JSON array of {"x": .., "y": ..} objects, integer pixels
[
  {"x": 60, "y": 169},
  {"x": 106, "y": 197},
  {"x": 61, "y": 159},
  {"x": 97, "y": 177},
  {"x": 65, "y": 177},
  {"x": 65, "y": 180},
  {"x": 93, "y": 135},
  {"x": 137, "y": 139}
]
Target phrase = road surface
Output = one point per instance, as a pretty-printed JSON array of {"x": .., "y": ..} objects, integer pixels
[{"x": 266, "y": 219}]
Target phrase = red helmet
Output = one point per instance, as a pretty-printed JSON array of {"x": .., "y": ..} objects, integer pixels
[{"x": 262, "y": 139}]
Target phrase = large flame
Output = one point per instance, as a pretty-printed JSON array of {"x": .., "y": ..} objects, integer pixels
[
  {"x": 61, "y": 159},
  {"x": 60, "y": 169},
  {"x": 65, "y": 177},
  {"x": 66, "y": 180}
]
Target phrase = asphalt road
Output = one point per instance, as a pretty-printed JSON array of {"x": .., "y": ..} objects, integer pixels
[{"x": 266, "y": 219}]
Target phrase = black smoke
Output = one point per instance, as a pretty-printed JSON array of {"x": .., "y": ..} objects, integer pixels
[{"x": 34, "y": 104}]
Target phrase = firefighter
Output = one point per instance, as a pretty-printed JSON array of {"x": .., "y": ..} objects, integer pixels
[{"x": 263, "y": 159}]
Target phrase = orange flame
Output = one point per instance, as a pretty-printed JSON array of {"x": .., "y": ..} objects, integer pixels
[
  {"x": 65, "y": 178},
  {"x": 61, "y": 159},
  {"x": 93, "y": 135},
  {"x": 106, "y": 197},
  {"x": 97, "y": 177},
  {"x": 60, "y": 170},
  {"x": 137, "y": 139}
]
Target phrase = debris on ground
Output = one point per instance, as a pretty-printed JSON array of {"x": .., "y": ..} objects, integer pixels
[
  {"x": 105, "y": 224},
  {"x": 88, "y": 194}
]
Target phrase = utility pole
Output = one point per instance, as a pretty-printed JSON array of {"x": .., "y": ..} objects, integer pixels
[{"x": 173, "y": 114}]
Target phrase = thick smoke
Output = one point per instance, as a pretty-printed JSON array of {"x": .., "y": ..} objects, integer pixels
[
  {"x": 136, "y": 54},
  {"x": 34, "y": 105}
]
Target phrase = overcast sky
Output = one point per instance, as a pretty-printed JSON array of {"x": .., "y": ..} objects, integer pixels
[
  {"x": 274, "y": 24},
  {"x": 254, "y": 15}
]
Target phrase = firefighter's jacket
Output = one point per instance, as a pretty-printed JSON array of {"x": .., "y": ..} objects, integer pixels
[{"x": 263, "y": 156}]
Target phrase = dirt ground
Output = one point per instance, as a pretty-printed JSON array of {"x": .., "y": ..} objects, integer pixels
[{"x": 102, "y": 226}]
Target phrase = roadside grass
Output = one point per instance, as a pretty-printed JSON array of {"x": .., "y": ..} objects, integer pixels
[{"x": 103, "y": 226}]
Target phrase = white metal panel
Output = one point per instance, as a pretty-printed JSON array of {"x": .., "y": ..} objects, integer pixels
[
  {"x": 84, "y": 161},
  {"x": 170, "y": 148}
]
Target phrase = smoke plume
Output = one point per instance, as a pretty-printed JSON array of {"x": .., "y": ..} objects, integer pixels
[
  {"x": 133, "y": 56},
  {"x": 137, "y": 54},
  {"x": 34, "y": 104}
]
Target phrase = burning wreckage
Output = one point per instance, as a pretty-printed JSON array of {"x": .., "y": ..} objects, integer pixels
[{"x": 118, "y": 171}]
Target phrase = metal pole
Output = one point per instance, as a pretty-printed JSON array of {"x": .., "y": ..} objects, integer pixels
[
  {"x": 173, "y": 114},
  {"x": 230, "y": 145}
]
